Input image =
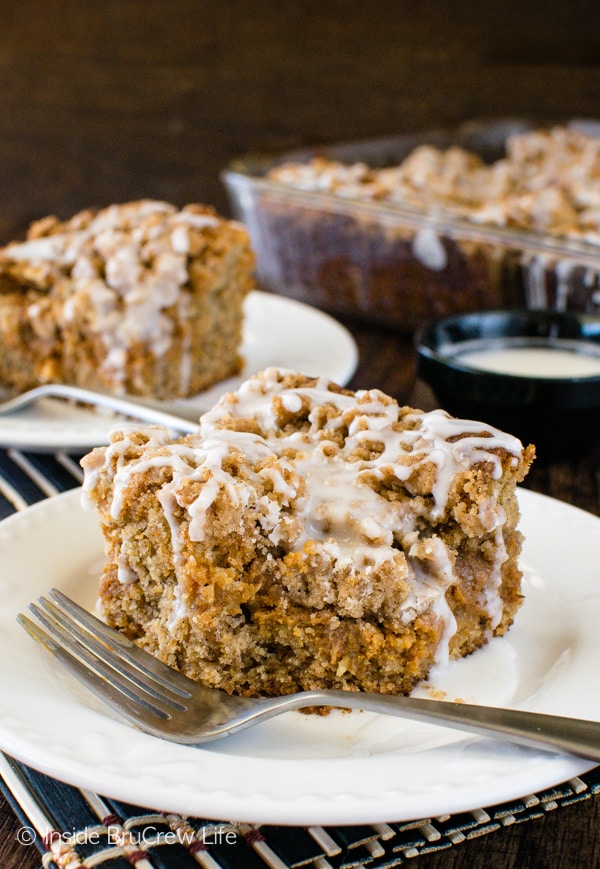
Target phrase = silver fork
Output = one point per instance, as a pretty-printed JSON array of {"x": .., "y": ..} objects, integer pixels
[
  {"x": 162, "y": 702},
  {"x": 128, "y": 407}
]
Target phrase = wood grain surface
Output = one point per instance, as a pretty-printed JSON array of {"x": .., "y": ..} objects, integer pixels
[{"x": 119, "y": 99}]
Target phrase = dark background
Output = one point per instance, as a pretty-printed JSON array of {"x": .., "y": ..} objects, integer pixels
[{"x": 118, "y": 99}]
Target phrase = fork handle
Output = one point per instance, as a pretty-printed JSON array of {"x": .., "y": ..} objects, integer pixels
[{"x": 532, "y": 729}]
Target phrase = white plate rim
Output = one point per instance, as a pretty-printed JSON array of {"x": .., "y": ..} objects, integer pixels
[
  {"x": 89, "y": 749},
  {"x": 278, "y": 332}
]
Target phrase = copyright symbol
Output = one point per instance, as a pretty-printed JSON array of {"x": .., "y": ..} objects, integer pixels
[{"x": 26, "y": 836}]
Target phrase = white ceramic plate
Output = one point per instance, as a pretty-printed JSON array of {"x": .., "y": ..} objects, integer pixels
[
  {"x": 278, "y": 332},
  {"x": 341, "y": 769}
]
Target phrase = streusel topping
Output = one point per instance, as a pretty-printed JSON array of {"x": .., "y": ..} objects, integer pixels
[{"x": 548, "y": 181}]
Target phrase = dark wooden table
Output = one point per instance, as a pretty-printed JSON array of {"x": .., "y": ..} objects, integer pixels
[
  {"x": 104, "y": 102},
  {"x": 566, "y": 837}
]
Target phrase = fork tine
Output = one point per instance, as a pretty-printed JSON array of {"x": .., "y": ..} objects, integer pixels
[
  {"x": 141, "y": 660},
  {"x": 129, "y": 407},
  {"x": 102, "y": 684},
  {"x": 100, "y": 657}
]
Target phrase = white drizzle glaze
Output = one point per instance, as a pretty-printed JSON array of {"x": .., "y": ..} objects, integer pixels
[
  {"x": 329, "y": 488},
  {"x": 428, "y": 589}
]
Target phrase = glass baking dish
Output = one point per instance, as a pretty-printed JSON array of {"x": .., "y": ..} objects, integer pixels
[{"x": 401, "y": 265}]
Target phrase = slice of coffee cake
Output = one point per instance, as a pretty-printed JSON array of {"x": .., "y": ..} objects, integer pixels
[
  {"x": 310, "y": 536},
  {"x": 140, "y": 298}
]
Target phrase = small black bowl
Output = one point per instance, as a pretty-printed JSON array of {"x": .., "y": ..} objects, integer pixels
[{"x": 559, "y": 414}]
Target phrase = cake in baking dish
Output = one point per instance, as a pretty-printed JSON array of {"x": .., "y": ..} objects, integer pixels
[
  {"x": 139, "y": 298},
  {"x": 546, "y": 181},
  {"x": 309, "y": 536},
  {"x": 400, "y": 238}
]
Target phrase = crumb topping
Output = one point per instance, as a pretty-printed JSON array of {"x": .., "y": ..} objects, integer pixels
[{"x": 548, "y": 181}]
